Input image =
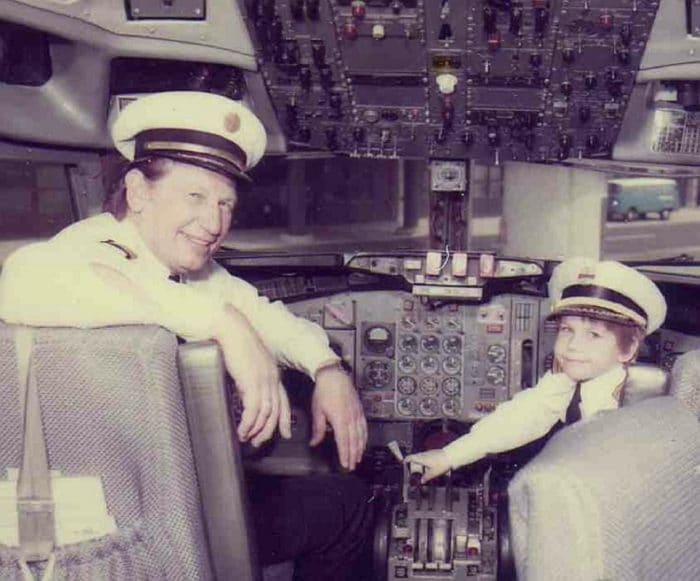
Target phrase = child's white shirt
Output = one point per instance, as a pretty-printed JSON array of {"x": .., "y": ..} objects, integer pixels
[{"x": 532, "y": 413}]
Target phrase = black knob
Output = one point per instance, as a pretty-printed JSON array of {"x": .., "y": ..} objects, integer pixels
[
  {"x": 541, "y": 19},
  {"x": 445, "y": 31},
  {"x": 305, "y": 134},
  {"x": 565, "y": 141},
  {"x": 590, "y": 80},
  {"x": 359, "y": 134},
  {"x": 568, "y": 55},
  {"x": 312, "y": 9},
  {"x": 441, "y": 135},
  {"x": 592, "y": 142},
  {"x": 331, "y": 138},
  {"x": 535, "y": 59},
  {"x": 626, "y": 34},
  {"x": 489, "y": 14},
  {"x": 566, "y": 88},
  {"x": 467, "y": 139},
  {"x": 493, "y": 136},
  {"x": 326, "y": 75},
  {"x": 335, "y": 102},
  {"x": 529, "y": 141},
  {"x": 623, "y": 56},
  {"x": 318, "y": 52},
  {"x": 516, "y": 19},
  {"x": 584, "y": 113},
  {"x": 305, "y": 76}
]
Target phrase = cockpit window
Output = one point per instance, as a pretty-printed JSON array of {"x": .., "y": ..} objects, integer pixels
[{"x": 35, "y": 202}]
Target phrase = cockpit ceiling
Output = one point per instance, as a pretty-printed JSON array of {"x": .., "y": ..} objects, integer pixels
[{"x": 540, "y": 81}]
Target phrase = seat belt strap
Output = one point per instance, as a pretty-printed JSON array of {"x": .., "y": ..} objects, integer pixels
[{"x": 35, "y": 506}]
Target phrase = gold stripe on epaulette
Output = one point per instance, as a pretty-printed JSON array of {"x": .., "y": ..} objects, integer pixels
[{"x": 128, "y": 253}]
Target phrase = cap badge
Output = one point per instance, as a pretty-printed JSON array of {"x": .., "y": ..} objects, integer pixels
[
  {"x": 232, "y": 122},
  {"x": 586, "y": 275}
]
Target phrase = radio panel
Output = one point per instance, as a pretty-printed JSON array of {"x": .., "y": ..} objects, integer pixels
[{"x": 531, "y": 80}]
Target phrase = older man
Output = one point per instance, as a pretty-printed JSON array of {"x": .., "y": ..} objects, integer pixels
[{"x": 166, "y": 216}]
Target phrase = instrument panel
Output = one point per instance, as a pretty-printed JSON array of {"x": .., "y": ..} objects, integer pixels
[{"x": 415, "y": 360}]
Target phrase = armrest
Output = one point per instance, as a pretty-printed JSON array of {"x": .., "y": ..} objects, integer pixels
[
  {"x": 218, "y": 462},
  {"x": 612, "y": 498}
]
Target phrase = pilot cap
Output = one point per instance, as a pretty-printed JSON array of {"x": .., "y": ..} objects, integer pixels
[
  {"x": 607, "y": 291},
  {"x": 201, "y": 129}
]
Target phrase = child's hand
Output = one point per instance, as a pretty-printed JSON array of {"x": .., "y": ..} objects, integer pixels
[{"x": 435, "y": 463}]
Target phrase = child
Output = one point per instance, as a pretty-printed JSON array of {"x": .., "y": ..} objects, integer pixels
[{"x": 604, "y": 310}]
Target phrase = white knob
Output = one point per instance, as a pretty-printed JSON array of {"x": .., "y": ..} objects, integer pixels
[
  {"x": 378, "y": 32},
  {"x": 446, "y": 83}
]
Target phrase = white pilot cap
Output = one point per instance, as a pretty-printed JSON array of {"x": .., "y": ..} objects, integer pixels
[
  {"x": 198, "y": 128},
  {"x": 606, "y": 290}
]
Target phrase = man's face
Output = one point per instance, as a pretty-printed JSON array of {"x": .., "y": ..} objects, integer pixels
[
  {"x": 586, "y": 348},
  {"x": 184, "y": 215}
]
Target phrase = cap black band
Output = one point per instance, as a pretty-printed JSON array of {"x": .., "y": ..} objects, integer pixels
[
  {"x": 186, "y": 141},
  {"x": 600, "y": 292}
]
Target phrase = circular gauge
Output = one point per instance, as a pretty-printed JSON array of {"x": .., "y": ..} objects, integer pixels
[
  {"x": 429, "y": 365},
  {"x": 452, "y": 344},
  {"x": 378, "y": 339},
  {"x": 408, "y": 322},
  {"x": 496, "y": 375},
  {"x": 428, "y": 385},
  {"x": 451, "y": 407},
  {"x": 406, "y": 406},
  {"x": 452, "y": 365},
  {"x": 377, "y": 374},
  {"x": 430, "y": 343},
  {"x": 432, "y": 322},
  {"x": 408, "y": 343},
  {"x": 406, "y": 385},
  {"x": 428, "y": 406},
  {"x": 496, "y": 354},
  {"x": 407, "y": 364},
  {"x": 453, "y": 324},
  {"x": 450, "y": 386}
]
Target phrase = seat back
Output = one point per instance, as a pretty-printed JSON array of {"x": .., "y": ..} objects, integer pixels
[
  {"x": 112, "y": 407},
  {"x": 686, "y": 380},
  {"x": 218, "y": 460},
  {"x": 592, "y": 503}
]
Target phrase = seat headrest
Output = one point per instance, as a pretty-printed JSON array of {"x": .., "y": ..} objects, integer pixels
[
  {"x": 685, "y": 384},
  {"x": 645, "y": 381}
]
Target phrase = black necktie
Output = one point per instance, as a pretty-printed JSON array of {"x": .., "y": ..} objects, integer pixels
[{"x": 573, "y": 412}]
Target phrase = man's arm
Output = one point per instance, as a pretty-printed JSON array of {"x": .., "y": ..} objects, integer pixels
[{"x": 47, "y": 284}]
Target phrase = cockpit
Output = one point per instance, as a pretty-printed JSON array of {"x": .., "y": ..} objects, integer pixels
[{"x": 429, "y": 163}]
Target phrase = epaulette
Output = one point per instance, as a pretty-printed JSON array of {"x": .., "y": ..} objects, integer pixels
[{"x": 128, "y": 254}]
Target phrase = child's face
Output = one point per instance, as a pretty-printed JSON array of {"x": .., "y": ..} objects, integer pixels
[{"x": 585, "y": 348}]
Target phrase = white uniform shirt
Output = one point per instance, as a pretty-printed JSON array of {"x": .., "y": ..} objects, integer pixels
[
  {"x": 78, "y": 280},
  {"x": 532, "y": 413}
]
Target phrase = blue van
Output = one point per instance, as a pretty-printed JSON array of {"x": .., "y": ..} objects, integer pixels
[{"x": 633, "y": 198}]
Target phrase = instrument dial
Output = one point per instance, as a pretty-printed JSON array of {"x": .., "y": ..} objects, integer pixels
[
  {"x": 406, "y": 385},
  {"x": 496, "y": 375},
  {"x": 377, "y": 374},
  {"x": 452, "y": 344},
  {"x": 452, "y": 365},
  {"x": 408, "y": 343},
  {"x": 496, "y": 354},
  {"x": 378, "y": 339},
  {"x": 450, "y": 386},
  {"x": 406, "y": 406},
  {"x": 428, "y": 406},
  {"x": 429, "y": 365},
  {"x": 430, "y": 343},
  {"x": 451, "y": 407},
  {"x": 407, "y": 364},
  {"x": 429, "y": 385}
]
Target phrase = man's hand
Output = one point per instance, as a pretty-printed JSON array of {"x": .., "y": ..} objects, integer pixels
[
  {"x": 335, "y": 401},
  {"x": 265, "y": 403},
  {"x": 434, "y": 462}
]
